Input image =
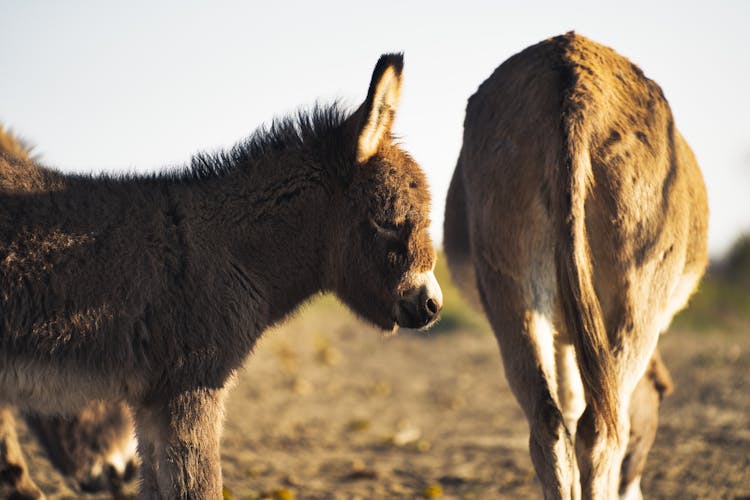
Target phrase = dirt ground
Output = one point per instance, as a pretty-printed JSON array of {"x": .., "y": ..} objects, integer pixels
[{"x": 327, "y": 408}]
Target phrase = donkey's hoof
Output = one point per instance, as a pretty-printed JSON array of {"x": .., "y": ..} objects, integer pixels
[{"x": 112, "y": 478}]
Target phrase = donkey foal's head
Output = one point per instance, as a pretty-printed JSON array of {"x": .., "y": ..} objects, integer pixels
[{"x": 385, "y": 256}]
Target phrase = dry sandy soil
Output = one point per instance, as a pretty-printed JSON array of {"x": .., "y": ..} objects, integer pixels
[{"x": 327, "y": 408}]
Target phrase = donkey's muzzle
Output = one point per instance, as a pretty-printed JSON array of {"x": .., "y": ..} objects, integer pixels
[{"x": 421, "y": 307}]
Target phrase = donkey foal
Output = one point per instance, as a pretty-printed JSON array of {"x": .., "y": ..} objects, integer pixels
[
  {"x": 152, "y": 290},
  {"x": 96, "y": 446}
]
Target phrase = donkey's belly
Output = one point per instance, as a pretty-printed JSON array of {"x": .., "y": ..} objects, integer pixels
[{"x": 55, "y": 389}]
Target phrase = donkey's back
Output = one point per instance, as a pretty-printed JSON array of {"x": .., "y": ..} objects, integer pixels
[{"x": 579, "y": 211}]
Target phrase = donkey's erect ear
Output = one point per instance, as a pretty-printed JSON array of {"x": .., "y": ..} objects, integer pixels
[{"x": 379, "y": 108}]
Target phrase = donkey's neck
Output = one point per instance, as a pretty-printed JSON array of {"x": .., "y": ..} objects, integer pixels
[{"x": 265, "y": 224}]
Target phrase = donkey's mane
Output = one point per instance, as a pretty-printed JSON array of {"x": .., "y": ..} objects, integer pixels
[
  {"x": 305, "y": 128},
  {"x": 316, "y": 129}
]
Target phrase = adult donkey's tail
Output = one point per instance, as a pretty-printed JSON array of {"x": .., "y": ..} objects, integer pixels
[{"x": 580, "y": 304}]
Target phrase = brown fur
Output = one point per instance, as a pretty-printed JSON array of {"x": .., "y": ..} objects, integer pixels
[
  {"x": 152, "y": 290},
  {"x": 584, "y": 225},
  {"x": 86, "y": 445},
  {"x": 655, "y": 384}
]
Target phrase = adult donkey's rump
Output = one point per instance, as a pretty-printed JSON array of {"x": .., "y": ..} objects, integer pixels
[
  {"x": 579, "y": 211},
  {"x": 153, "y": 289}
]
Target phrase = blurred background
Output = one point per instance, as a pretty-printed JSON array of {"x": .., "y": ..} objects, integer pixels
[
  {"x": 137, "y": 86},
  {"x": 142, "y": 85}
]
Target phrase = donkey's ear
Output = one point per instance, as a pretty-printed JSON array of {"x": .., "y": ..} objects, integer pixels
[{"x": 379, "y": 108}]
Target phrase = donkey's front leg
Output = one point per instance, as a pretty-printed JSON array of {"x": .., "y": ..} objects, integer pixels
[
  {"x": 14, "y": 476},
  {"x": 181, "y": 438}
]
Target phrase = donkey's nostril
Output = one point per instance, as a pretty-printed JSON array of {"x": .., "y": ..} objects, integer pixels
[{"x": 432, "y": 307}]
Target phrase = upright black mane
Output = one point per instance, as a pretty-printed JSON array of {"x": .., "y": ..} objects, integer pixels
[{"x": 306, "y": 128}]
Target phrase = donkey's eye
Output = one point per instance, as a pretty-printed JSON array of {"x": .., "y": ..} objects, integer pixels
[{"x": 386, "y": 230}]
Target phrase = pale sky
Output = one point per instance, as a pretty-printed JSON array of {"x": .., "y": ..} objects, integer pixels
[{"x": 142, "y": 85}]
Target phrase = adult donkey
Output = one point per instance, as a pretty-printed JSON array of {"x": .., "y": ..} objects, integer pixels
[
  {"x": 153, "y": 289},
  {"x": 580, "y": 213}
]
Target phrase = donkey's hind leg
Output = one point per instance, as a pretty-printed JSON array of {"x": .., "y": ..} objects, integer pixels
[
  {"x": 15, "y": 481},
  {"x": 179, "y": 443},
  {"x": 600, "y": 454},
  {"x": 644, "y": 420},
  {"x": 644, "y": 414},
  {"x": 526, "y": 339}
]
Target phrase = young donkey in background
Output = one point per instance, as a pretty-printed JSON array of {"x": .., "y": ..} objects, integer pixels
[
  {"x": 96, "y": 446},
  {"x": 153, "y": 289},
  {"x": 579, "y": 212}
]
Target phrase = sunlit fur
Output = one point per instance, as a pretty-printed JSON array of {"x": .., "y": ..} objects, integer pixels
[
  {"x": 385, "y": 97},
  {"x": 576, "y": 203}
]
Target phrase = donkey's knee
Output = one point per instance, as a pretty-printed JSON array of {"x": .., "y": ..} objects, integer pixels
[
  {"x": 552, "y": 451},
  {"x": 549, "y": 438},
  {"x": 179, "y": 444},
  {"x": 548, "y": 422}
]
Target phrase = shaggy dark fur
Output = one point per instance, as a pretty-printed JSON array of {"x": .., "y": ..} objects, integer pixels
[
  {"x": 153, "y": 289},
  {"x": 85, "y": 445}
]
